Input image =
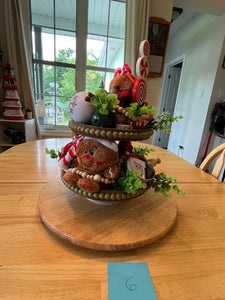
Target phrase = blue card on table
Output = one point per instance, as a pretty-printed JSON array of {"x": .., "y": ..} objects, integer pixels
[{"x": 130, "y": 281}]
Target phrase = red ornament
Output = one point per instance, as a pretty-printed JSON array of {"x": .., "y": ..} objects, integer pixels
[
  {"x": 141, "y": 124},
  {"x": 144, "y": 48},
  {"x": 139, "y": 91},
  {"x": 125, "y": 70},
  {"x": 142, "y": 67}
]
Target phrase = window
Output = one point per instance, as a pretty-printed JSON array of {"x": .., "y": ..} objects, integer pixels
[{"x": 77, "y": 45}]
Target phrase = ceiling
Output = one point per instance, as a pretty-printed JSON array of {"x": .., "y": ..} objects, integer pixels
[
  {"x": 212, "y": 7},
  {"x": 193, "y": 7},
  {"x": 181, "y": 20}
]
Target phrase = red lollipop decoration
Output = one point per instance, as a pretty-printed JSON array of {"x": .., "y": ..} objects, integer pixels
[
  {"x": 144, "y": 48},
  {"x": 139, "y": 91},
  {"x": 142, "y": 67}
]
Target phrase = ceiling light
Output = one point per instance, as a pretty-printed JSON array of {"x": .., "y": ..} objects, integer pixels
[{"x": 177, "y": 11}]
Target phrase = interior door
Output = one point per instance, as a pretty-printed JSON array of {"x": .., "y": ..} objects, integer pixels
[{"x": 162, "y": 137}]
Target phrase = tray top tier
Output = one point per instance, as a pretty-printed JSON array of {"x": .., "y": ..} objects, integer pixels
[{"x": 110, "y": 133}]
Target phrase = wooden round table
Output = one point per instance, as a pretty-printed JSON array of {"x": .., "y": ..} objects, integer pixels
[{"x": 186, "y": 263}]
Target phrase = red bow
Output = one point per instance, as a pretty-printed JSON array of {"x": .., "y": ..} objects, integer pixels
[{"x": 125, "y": 70}]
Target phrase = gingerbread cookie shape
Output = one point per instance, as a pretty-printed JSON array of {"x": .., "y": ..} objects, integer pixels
[{"x": 96, "y": 163}]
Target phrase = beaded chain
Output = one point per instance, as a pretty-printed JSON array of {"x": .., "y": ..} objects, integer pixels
[{"x": 95, "y": 177}]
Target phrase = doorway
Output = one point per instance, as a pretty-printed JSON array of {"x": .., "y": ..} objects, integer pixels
[{"x": 170, "y": 87}]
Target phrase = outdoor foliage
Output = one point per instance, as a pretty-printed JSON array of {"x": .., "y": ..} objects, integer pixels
[
  {"x": 64, "y": 89},
  {"x": 65, "y": 77}
]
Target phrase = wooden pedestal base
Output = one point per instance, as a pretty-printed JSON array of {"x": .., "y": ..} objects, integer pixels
[{"x": 127, "y": 225}]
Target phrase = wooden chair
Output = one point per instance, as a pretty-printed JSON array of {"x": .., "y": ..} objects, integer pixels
[{"x": 220, "y": 150}]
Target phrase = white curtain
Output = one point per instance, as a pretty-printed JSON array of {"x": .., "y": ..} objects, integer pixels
[
  {"x": 18, "y": 47},
  {"x": 137, "y": 21}
]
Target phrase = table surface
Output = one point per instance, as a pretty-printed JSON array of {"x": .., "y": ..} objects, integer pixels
[{"x": 187, "y": 263}]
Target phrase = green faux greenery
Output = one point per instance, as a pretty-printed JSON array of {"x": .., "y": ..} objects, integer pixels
[
  {"x": 135, "y": 110},
  {"x": 163, "y": 184},
  {"x": 129, "y": 182},
  {"x": 163, "y": 121},
  {"x": 53, "y": 153},
  {"x": 142, "y": 151},
  {"x": 104, "y": 102}
]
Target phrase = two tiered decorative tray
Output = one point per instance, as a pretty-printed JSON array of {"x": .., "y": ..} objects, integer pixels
[{"x": 100, "y": 166}]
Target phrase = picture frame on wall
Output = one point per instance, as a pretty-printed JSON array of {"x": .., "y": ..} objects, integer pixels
[
  {"x": 223, "y": 64},
  {"x": 158, "y": 35}
]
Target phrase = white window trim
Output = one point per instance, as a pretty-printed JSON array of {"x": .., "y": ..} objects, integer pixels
[{"x": 80, "y": 66}]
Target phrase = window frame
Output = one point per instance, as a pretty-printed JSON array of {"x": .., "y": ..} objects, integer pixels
[{"x": 80, "y": 66}]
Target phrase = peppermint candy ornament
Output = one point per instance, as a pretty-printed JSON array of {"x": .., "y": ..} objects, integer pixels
[
  {"x": 144, "y": 48},
  {"x": 139, "y": 91},
  {"x": 142, "y": 67}
]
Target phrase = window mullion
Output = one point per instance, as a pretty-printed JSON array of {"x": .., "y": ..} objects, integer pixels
[
  {"x": 55, "y": 66},
  {"x": 107, "y": 40},
  {"x": 81, "y": 45},
  {"x": 38, "y": 54}
]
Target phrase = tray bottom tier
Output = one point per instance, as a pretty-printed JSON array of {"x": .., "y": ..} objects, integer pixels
[{"x": 122, "y": 226}]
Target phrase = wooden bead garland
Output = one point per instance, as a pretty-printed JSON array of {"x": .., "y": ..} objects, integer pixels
[
  {"x": 95, "y": 177},
  {"x": 121, "y": 110}
]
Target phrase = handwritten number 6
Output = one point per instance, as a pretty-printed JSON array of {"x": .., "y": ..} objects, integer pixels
[{"x": 130, "y": 284}]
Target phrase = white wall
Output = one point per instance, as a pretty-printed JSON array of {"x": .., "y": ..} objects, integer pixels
[
  {"x": 201, "y": 42},
  {"x": 218, "y": 95},
  {"x": 161, "y": 9}
]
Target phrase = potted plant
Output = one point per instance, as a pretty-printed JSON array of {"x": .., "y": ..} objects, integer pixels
[
  {"x": 140, "y": 114},
  {"x": 105, "y": 104}
]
